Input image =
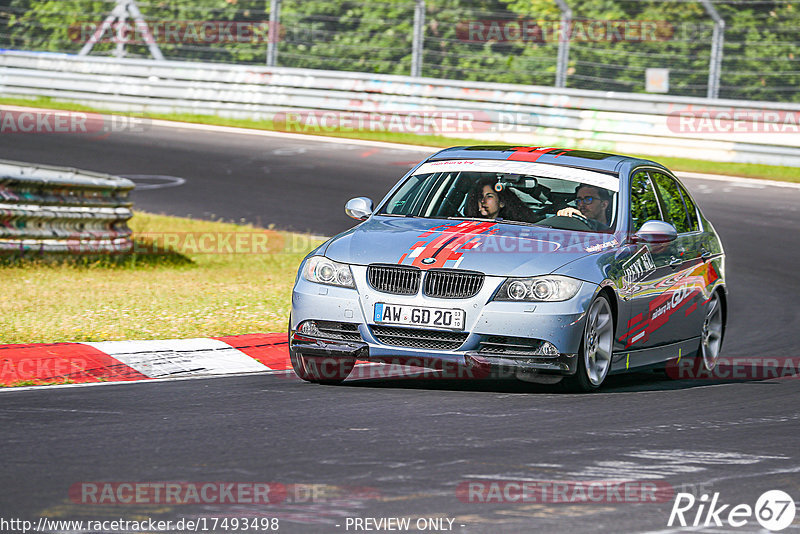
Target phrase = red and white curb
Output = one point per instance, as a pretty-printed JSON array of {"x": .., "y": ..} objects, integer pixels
[{"x": 114, "y": 361}]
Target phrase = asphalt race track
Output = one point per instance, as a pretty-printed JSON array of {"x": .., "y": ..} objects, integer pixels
[{"x": 406, "y": 447}]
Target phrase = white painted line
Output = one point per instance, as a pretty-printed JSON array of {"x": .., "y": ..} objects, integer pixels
[
  {"x": 752, "y": 182},
  {"x": 143, "y": 381},
  {"x": 180, "y": 357},
  {"x": 268, "y": 371},
  {"x": 253, "y": 131},
  {"x": 385, "y": 144},
  {"x": 294, "y": 136}
]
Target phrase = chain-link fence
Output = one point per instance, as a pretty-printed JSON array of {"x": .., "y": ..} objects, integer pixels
[{"x": 609, "y": 45}]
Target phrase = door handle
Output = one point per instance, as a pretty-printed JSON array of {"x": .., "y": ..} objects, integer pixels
[
  {"x": 674, "y": 262},
  {"x": 705, "y": 254}
]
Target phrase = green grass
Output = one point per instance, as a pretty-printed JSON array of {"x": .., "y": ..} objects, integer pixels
[
  {"x": 750, "y": 170},
  {"x": 24, "y": 383},
  {"x": 182, "y": 291}
]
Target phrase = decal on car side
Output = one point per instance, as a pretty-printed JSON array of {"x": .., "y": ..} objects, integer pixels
[{"x": 685, "y": 290}]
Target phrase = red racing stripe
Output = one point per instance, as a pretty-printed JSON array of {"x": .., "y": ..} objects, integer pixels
[
  {"x": 443, "y": 247},
  {"x": 532, "y": 153},
  {"x": 271, "y": 350},
  {"x": 61, "y": 363}
]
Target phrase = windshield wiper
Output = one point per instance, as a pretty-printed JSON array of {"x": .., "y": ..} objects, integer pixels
[
  {"x": 408, "y": 216},
  {"x": 518, "y": 223},
  {"x": 498, "y": 220},
  {"x": 471, "y": 219}
]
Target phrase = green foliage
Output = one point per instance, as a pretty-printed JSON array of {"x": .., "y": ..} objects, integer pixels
[
  {"x": 65, "y": 25},
  {"x": 760, "y": 61}
]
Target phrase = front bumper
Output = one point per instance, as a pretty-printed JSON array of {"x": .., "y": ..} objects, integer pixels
[
  {"x": 558, "y": 323},
  {"x": 313, "y": 346},
  {"x": 478, "y": 364}
]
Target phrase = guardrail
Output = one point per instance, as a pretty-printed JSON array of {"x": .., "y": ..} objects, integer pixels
[
  {"x": 716, "y": 130},
  {"x": 62, "y": 210}
]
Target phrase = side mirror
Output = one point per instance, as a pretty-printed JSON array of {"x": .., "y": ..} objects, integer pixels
[
  {"x": 359, "y": 208},
  {"x": 656, "y": 232}
]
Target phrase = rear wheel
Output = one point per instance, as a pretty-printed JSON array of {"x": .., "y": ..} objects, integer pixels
[
  {"x": 711, "y": 335},
  {"x": 594, "y": 356}
]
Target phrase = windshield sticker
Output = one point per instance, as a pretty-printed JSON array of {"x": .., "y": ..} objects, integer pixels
[
  {"x": 602, "y": 246},
  {"x": 443, "y": 245},
  {"x": 530, "y": 168}
]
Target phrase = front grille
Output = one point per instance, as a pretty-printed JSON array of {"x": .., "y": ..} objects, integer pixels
[
  {"x": 516, "y": 346},
  {"x": 451, "y": 284},
  {"x": 394, "y": 279},
  {"x": 336, "y": 330},
  {"x": 419, "y": 339}
]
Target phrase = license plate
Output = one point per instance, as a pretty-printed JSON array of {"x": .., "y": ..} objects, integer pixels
[{"x": 417, "y": 316}]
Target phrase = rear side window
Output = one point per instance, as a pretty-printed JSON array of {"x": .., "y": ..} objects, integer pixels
[
  {"x": 644, "y": 206},
  {"x": 691, "y": 210},
  {"x": 674, "y": 208}
]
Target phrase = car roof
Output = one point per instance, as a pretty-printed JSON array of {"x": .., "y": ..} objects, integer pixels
[{"x": 585, "y": 159}]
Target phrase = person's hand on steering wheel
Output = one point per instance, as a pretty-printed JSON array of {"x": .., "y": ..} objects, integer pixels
[{"x": 572, "y": 212}]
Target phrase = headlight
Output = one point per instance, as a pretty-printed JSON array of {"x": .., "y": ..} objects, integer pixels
[
  {"x": 321, "y": 270},
  {"x": 551, "y": 288}
]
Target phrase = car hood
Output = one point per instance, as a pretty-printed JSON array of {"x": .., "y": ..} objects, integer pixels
[{"x": 492, "y": 248}]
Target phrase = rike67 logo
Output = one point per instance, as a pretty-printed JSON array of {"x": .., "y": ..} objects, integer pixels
[{"x": 774, "y": 510}]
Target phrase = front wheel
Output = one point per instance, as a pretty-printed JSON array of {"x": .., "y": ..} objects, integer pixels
[
  {"x": 319, "y": 369},
  {"x": 594, "y": 356}
]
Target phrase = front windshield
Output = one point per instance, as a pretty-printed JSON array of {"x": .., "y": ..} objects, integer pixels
[{"x": 508, "y": 197}]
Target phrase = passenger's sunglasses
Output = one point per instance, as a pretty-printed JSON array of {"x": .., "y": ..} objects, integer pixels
[{"x": 584, "y": 200}]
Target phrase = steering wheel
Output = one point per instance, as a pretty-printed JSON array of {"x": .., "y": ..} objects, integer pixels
[{"x": 570, "y": 222}]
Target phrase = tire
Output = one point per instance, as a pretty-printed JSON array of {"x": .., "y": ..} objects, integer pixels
[
  {"x": 712, "y": 333},
  {"x": 597, "y": 342},
  {"x": 319, "y": 369}
]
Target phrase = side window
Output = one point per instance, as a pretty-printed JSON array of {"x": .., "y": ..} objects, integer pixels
[
  {"x": 413, "y": 194},
  {"x": 644, "y": 206},
  {"x": 672, "y": 202},
  {"x": 690, "y": 209},
  {"x": 400, "y": 203}
]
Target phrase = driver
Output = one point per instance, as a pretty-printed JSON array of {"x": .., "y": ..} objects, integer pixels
[{"x": 592, "y": 204}]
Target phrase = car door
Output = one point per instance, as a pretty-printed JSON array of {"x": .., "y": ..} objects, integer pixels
[
  {"x": 645, "y": 271},
  {"x": 688, "y": 283}
]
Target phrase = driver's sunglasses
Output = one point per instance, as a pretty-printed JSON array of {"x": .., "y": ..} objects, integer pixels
[{"x": 584, "y": 200}]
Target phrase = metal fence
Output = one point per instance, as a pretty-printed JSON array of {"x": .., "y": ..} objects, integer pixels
[
  {"x": 317, "y": 101},
  {"x": 46, "y": 209},
  {"x": 739, "y": 49}
]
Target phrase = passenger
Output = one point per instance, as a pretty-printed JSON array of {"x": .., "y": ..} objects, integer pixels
[
  {"x": 486, "y": 202},
  {"x": 592, "y": 202}
]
